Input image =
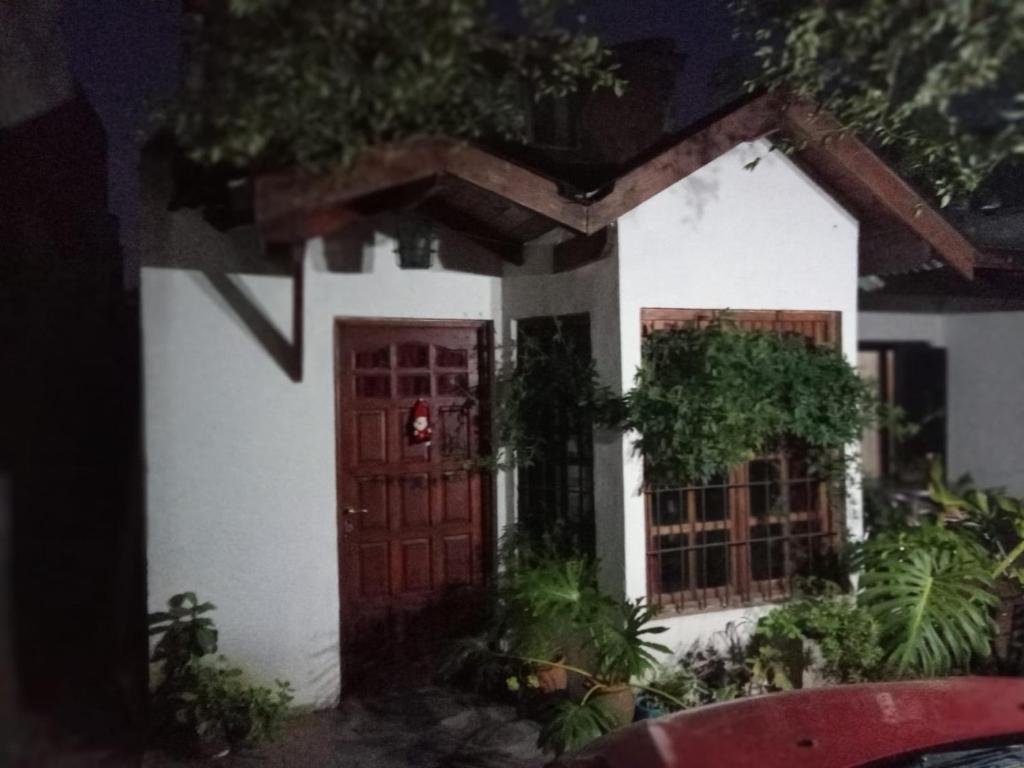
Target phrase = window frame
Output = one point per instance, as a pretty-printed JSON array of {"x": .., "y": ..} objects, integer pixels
[{"x": 740, "y": 588}]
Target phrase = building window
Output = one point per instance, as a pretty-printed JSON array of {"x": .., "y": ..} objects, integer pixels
[
  {"x": 743, "y": 536},
  {"x": 556, "y": 490}
]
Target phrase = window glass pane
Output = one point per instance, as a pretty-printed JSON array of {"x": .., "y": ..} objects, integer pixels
[
  {"x": 672, "y": 564},
  {"x": 767, "y": 552},
  {"x": 712, "y": 500},
  {"x": 668, "y": 507},
  {"x": 765, "y": 495},
  {"x": 712, "y": 559},
  {"x": 807, "y": 547}
]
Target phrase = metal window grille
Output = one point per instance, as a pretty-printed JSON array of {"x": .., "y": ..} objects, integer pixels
[{"x": 743, "y": 536}]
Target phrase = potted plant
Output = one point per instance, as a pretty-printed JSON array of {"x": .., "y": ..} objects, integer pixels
[
  {"x": 621, "y": 652},
  {"x": 617, "y": 652},
  {"x": 546, "y": 607}
]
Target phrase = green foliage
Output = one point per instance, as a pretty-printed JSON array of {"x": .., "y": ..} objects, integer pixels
[
  {"x": 707, "y": 673},
  {"x": 314, "y": 82},
  {"x": 710, "y": 398},
  {"x": 573, "y": 724},
  {"x": 547, "y": 606},
  {"x": 994, "y": 517},
  {"x": 185, "y": 633},
  {"x": 846, "y": 635},
  {"x": 938, "y": 86},
  {"x": 548, "y": 382},
  {"x": 619, "y": 643},
  {"x": 549, "y": 611},
  {"x": 196, "y": 699},
  {"x": 930, "y": 590}
]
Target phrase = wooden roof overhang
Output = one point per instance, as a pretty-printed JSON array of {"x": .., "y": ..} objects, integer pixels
[{"x": 502, "y": 205}]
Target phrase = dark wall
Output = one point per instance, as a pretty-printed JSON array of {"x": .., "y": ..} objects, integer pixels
[{"x": 69, "y": 440}]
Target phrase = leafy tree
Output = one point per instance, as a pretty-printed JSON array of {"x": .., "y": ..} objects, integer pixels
[
  {"x": 313, "y": 82},
  {"x": 939, "y": 86}
]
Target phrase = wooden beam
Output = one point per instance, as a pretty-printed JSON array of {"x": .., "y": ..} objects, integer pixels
[
  {"x": 805, "y": 123},
  {"x": 299, "y": 227},
  {"x": 516, "y": 183},
  {"x": 296, "y": 206},
  {"x": 282, "y": 195},
  {"x": 747, "y": 123},
  {"x": 1002, "y": 260}
]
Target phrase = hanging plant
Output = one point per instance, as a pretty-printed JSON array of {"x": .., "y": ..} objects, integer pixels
[{"x": 706, "y": 399}]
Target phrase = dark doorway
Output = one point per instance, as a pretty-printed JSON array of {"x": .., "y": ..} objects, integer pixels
[{"x": 911, "y": 376}]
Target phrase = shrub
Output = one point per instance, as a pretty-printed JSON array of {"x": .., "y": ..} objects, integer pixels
[
  {"x": 198, "y": 699},
  {"x": 846, "y": 634}
]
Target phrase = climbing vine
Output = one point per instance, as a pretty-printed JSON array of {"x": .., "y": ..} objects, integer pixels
[
  {"x": 706, "y": 399},
  {"x": 557, "y": 378}
]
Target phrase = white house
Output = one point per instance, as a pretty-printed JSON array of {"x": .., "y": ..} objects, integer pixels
[{"x": 283, "y": 483}]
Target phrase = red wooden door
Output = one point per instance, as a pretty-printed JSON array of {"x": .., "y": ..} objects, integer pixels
[{"x": 411, "y": 517}]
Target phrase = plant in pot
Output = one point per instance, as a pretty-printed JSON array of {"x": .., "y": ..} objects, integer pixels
[
  {"x": 616, "y": 652},
  {"x": 621, "y": 653},
  {"x": 546, "y": 607}
]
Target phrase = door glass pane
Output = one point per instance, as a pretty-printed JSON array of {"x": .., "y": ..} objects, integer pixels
[
  {"x": 414, "y": 386},
  {"x": 453, "y": 384},
  {"x": 413, "y": 355},
  {"x": 450, "y": 358},
  {"x": 373, "y": 386},
  {"x": 373, "y": 358}
]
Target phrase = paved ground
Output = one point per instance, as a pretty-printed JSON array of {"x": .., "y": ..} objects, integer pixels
[{"x": 426, "y": 728}]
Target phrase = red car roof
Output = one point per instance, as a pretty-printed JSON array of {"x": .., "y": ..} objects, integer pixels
[{"x": 826, "y": 728}]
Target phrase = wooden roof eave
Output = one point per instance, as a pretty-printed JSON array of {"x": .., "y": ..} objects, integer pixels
[
  {"x": 887, "y": 189},
  {"x": 297, "y": 204}
]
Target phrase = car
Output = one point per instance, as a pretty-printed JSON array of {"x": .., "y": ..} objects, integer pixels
[{"x": 960, "y": 721}]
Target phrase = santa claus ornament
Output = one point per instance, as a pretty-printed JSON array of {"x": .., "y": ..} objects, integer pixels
[{"x": 419, "y": 423}]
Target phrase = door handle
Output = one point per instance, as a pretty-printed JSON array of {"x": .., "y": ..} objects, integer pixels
[{"x": 353, "y": 511}]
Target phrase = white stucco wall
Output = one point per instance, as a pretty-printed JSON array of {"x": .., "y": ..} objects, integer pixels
[
  {"x": 241, "y": 459},
  {"x": 984, "y": 390},
  {"x": 902, "y": 326},
  {"x": 727, "y": 237}
]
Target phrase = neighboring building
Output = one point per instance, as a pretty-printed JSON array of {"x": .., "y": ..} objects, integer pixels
[{"x": 282, "y": 481}]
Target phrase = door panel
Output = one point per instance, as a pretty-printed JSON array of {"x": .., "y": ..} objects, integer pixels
[{"x": 411, "y": 517}]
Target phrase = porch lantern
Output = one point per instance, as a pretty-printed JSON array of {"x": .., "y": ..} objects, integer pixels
[{"x": 416, "y": 242}]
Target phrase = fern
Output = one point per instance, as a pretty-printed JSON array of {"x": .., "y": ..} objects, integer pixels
[{"x": 933, "y": 607}]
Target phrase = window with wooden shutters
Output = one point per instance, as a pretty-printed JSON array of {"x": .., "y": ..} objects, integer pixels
[{"x": 743, "y": 536}]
